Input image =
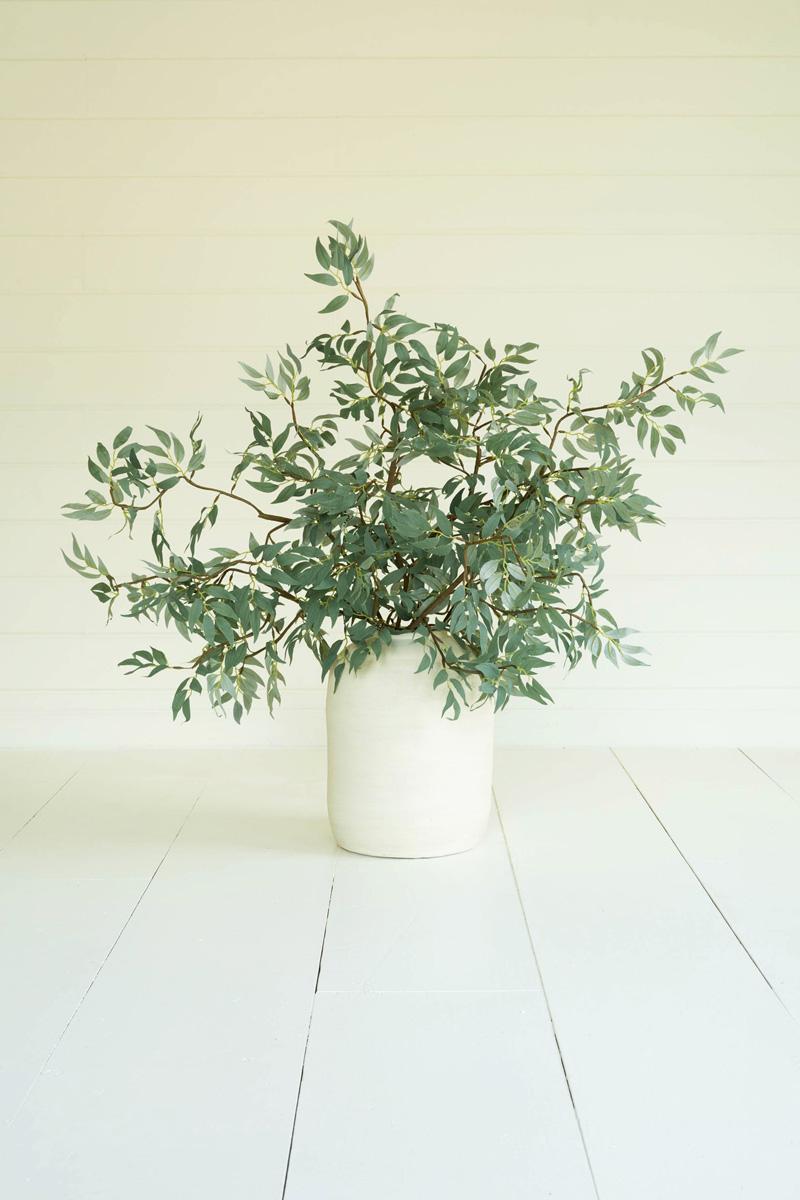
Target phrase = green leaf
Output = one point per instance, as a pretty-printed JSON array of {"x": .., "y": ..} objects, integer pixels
[
  {"x": 323, "y": 258},
  {"x": 334, "y": 304},
  {"x": 163, "y": 437},
  {"x": 344, "y": 229},
  {"x": 96, "y": 472}
]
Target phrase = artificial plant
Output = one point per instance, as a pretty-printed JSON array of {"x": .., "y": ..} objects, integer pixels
[{"x": 438, "y": 494}]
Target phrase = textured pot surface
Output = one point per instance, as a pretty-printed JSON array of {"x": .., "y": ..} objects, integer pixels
[{"x": 402, "y": 781}]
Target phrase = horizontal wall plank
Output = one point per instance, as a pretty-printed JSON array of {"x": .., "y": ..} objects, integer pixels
[
  {"x": 557, "y": 321},
  {"x": 403, "y": 146},
  {"x": 753, "y": 546},
  {"x": 710, "y": 482},
  {"x": 765, "y": 432},
  {"x": 543, "y": 263},
  {"x": 697, "y": 717},
  {"x": 613, "y": 263},
  {"x": 153, "y": 697},
  {"x": 92, "y": 661},
  {"x": 683, "y": 489},
  {"x": 707, "y": 602},
  {"x": 64, "y": 726},
  {"x": 411, "y": 87},
  {"x": 551, "y": 204},
  {"x": 144, "y": 384},
  {"x": 674, "y": 660},
  {"x": 655, "y": 701},
  {"x": 702, "y": 603},
  {"x": 118, "y": 725},
  {"x": 171, "y": 28}
]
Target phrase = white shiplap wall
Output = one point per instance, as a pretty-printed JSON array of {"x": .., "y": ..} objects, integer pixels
[{"x": 594, "y": 177}]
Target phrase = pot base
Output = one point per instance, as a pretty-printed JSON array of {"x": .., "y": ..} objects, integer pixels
[{"x": 373, "y": 849}]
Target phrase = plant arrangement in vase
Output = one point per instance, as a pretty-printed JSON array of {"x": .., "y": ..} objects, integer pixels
[{"x": 438, "y": 496}]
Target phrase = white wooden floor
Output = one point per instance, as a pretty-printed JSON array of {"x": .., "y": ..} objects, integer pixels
[{"x": 202, "y": 998}]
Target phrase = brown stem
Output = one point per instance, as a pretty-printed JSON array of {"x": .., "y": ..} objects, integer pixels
[
  {"x": 393, "y": 474},
  {"x": 276, "y": 518},
  {"x": 362, "y": 297},
  {"x": 136, "y": 507},
  {"x": 437, "y": 600},
  {"x": 275, "y": 641},
  {"x": 299, "y": 431},
  {"x": 577, "y": 412}
]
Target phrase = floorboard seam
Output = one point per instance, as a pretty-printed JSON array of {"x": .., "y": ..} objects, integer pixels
[
  {"x": 111, "y": 950},
  {"x": 42, "y": 807},
  {"x": 308, "y": 1036},
  {"x": 703, "y": 886},
  {"x": 546, "y": 999},
  {"x": 766, "y": 773},
  {"x": 453, "y": 991}
]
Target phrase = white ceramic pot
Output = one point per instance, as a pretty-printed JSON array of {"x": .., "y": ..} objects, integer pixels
[{"x": 403, "y": 782}]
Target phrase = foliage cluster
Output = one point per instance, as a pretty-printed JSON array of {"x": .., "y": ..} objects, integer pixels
[{"x": 466, "y": 508}]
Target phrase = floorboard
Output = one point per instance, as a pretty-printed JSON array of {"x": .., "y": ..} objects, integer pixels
[
  {"x": 432, "y": 1069},
  {"x": 781, "y": 764},
  {"x": 445, "y": 924},
  {"x": 29, "y": 780},
  {"x": 740, "y": 833},
  {"x": 684, "y": 1065},
  {"x": 203, "y": 997},
  {"x": 179, "y": 1073},
  {"x": 69, "y": 881},
  {"x": 434, "y": 1095}
]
